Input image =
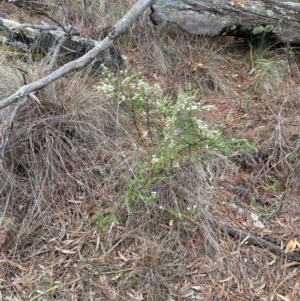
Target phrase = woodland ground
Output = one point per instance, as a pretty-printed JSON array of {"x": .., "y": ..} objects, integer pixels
[{"x": 78, "y": 224}]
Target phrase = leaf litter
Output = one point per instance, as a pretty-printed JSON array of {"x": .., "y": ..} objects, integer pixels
[{"x": 52, "y": 248}]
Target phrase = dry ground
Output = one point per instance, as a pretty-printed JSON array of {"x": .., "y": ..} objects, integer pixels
[{"x": 66, "y": 164}]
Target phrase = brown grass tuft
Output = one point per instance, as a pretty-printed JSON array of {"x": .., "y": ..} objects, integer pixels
[{"x": 68, "y": 156}]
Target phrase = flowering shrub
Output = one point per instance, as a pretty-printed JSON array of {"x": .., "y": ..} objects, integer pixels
[{"x": 170, "y": 132}]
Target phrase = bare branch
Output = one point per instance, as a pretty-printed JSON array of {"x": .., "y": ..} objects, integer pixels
[
  {"x": 118, "y": 29},
  {"x": 55, "y": 53}
]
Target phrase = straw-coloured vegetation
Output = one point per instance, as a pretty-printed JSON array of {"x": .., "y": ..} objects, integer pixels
[{"x": 130, "y": 184}]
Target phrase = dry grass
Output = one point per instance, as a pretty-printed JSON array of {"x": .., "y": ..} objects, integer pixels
[
  {"x": 173, "y": 56},
  {"x": 67, "y": 161}
]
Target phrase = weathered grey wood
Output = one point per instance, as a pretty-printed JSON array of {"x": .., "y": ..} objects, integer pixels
[
  {"x": 219, "y": 17},
  {"x": 42, "y": 38},
  {"x": 117, "y": 30},
  {"x": 34, "y": 5}
]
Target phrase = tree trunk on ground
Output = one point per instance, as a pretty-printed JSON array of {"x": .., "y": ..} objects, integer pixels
[
  {"x": 47, "y": 38},
  {"x": 33, "y": 5},
  {"x": 278, "y": 20}
]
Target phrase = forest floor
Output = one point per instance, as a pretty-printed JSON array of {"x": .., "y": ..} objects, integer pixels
[{"x": 87, "y": 212}]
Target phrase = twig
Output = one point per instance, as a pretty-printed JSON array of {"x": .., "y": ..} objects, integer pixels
[
  {"x": 53, "y": 288},
  {"x": 117, "y": 30},
  {"x": 56, "y": 53},
  {"x": 18, "y": 107},
  {"x": 254, "y": 240},
  {"x": 259, "y": 242}
]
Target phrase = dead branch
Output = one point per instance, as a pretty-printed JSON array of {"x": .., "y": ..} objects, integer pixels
[
  {"x": 118, "y": 29},
  {"x": 259, "y": 242}
]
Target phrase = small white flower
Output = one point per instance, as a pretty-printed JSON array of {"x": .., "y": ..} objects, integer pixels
[
  {"x": 177, "y": 132},
  {"x": 154, "y": 159}
]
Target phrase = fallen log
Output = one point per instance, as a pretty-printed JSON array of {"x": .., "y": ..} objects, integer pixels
[
  {"x": 46, "y": 39},
  {"x": 277, "y": 20},
  {"x": 30, "y": 4},
  {"x": 116, "y": 31}
]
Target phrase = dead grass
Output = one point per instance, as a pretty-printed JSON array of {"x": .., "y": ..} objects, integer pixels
[
  {"x": 172, "y": 57},
  {"x": 66, "y": 162}
]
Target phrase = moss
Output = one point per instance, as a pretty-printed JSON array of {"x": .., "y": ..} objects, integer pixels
[
  {"x": 29, "y": 32},
  {"x": 10, "y": 24},
  {"x": 269, "y": 28},
  {"x": 258, "y": 30}
]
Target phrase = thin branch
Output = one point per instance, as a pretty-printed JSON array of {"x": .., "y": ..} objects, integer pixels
[
  {"x": 118, "y": 29},
  {"x": 16, "y": 110},
  {"x": 260, "y": 242},
  {"x": 55, "y": 54}
]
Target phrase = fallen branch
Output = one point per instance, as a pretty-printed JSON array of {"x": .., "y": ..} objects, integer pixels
[
  {"x": 253, "y": 240},
  {"x": 259, "y": 242},
  {"x": 29, "y": 4},
  {"x": 32, "y": 38},
  {"x": 118, "y": 29}
]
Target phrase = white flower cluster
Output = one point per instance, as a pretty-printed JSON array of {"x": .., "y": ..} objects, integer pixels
[
  {"x": 154, "y": 159},
  {"x": 108, "y": 89},
  {"x": 181, "y": 121}
]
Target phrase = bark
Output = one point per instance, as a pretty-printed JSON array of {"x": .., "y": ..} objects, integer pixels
[
  {"x": 45, "y": 39},
  {"x": 117, "y": 30},
  {"x": 279, "y": 20},
  {"x": 34, "y": 5}
]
